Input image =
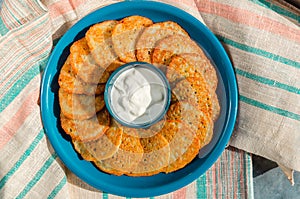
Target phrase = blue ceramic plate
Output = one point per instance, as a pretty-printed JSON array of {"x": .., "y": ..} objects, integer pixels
[{"x": 161, "y": 183}]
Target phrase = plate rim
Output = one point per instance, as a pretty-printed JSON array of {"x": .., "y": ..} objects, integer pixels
[{"x": 171, "y": 186}]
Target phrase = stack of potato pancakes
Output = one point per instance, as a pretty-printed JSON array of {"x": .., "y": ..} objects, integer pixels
[{"x": 169, "y": 144}]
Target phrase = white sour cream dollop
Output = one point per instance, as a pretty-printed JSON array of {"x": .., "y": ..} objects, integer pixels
[{"x": 137, "y": 92}]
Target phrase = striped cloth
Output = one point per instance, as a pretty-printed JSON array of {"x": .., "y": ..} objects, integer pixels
[
  {"x": 29, "y": 168},
  {"x": 263, "y": 41}
]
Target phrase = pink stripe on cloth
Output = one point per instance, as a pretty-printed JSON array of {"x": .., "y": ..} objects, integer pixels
[
  {"x": 221, "y": 176},
  {"x": 59, "y": 8},
  {"x": 241, "y": 173},
  {"x": 77, "y": 3},
  {"x": 232, "y": 168},
  {"x": 16, "y": 121},
  {"x": 213, "y": 181},
  {"x": 248, "y": 18},
  {"x": 180, "y": 194},
  {"x": 62, "y": 7},
  {"x": 207, "y": 183},
  {"x": 186, "y": 2}
]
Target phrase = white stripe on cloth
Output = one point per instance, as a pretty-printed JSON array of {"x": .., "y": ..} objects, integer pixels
[{"x": 17, "y": 13}]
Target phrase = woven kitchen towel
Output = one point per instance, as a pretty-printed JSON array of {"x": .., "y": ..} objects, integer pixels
[
  {"x": 29, "y": 166},
  {"x": 229, "y": 177},
  {"x": 263, "y": 41}
]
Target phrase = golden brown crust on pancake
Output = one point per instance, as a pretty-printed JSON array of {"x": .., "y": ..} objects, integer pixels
[
  {"x": 203, "y": 65},
  {"x": 125, "y": 35},
  {"x": 126, "y": 158},
  {"x": 83, "y": 64},
  {"x": 215, "y": 106},
  {"x": 195, "y": 91},
  {"x": 70, "y": 83},
  {"x": 155, "y": 158},
  {"x": 114, "y": 65},
  {"x": 189, "y": 114},
  {"x": 174, "y": 45},
  {"x": 180, "y": 139},
  {"x": 184, "y": 159},
  {"x": 152, "y": 34},
  {"x": 89, "y": 129},
  {"x": 80, "y": 107},
  {"x": 103, "y": 147},
  {"x": 99, "y": 41},
  {"x": 198, "y": 68},
  {"x": 191, "y": 144},
  {"x": 180, "y": 68}
]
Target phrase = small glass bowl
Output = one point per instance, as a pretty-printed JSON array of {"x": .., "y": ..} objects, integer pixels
[{"x": 153, "y": 115}]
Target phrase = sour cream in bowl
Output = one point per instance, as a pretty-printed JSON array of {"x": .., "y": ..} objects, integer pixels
[{"x": 137, "y": 95}]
